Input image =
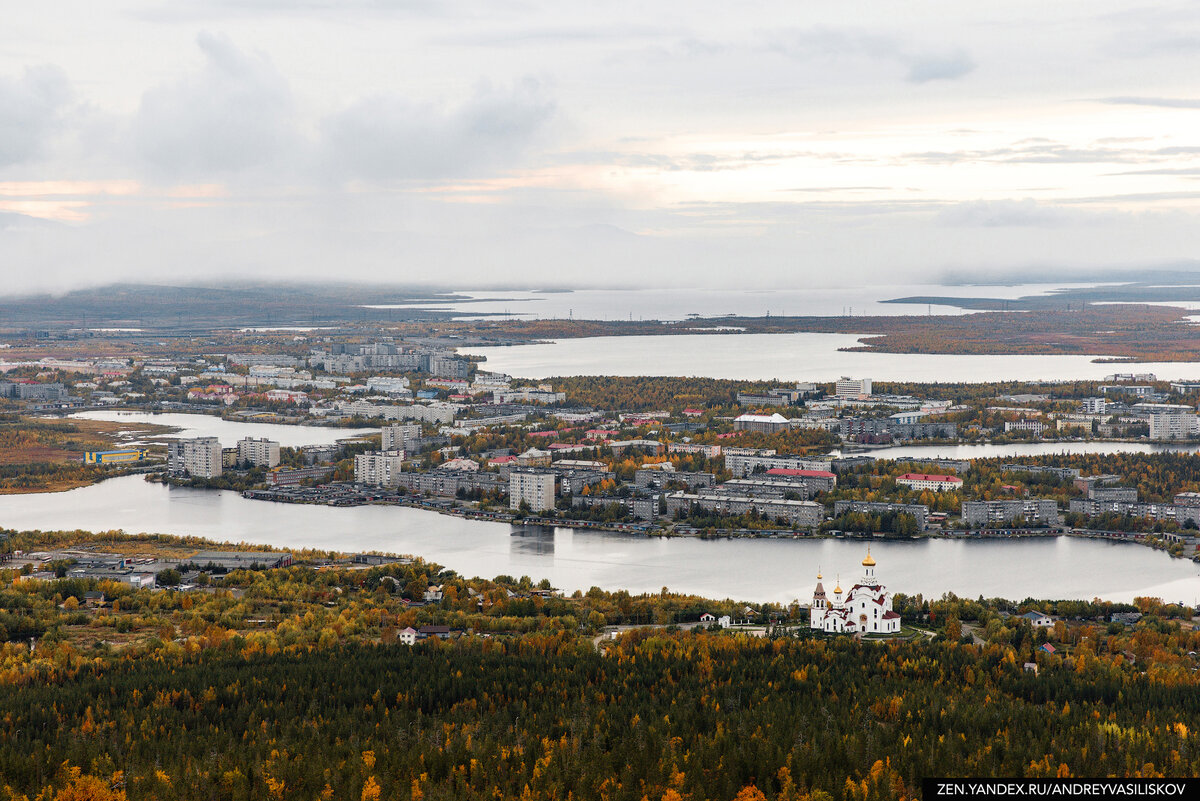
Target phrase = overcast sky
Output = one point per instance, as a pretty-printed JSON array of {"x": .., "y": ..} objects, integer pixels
[{"x": 601, "y": 143}]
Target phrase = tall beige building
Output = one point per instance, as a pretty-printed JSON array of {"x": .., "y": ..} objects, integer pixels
[
  {"x": 199, "y": 457},
  {"x": 534, "y": 487},
  {"x": 260, "y": 452},
  {"x": 378, "y": 468}
]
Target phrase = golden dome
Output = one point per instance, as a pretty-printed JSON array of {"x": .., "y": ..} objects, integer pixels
[
  {"x": 838, "y": 588},
  {"x": 868, "y": 562}
]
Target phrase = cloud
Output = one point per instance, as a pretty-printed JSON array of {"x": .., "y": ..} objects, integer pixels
[
  {"x": 845, "y": 44},
  {"x": 1156, "y": 102},
  {"x": 31, "y": 110},
  {"x": 1045, "y": 152},
  {"x": 235, "y": 113},
  {"x": 389, "y": 137},
  {"x": 1003, "y": 213},
  {"x": 940, "y": 68}
]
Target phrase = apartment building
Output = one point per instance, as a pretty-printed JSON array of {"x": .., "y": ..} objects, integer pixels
[
  {"x": 378, "y": 468},
  {"x": 259, "y": 452},
  {"x": 199, "y": 457}
]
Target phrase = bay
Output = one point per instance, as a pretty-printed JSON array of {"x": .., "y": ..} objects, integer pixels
[
  {"x": 228, "y": 431},
  {"x": 753, "y": 570},
  {"x": 791, "y": 358}
]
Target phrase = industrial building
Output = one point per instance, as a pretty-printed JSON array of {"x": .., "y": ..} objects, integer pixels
[{"x": 129, "y": 456}]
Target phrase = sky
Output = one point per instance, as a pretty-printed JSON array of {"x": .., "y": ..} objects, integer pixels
[{"x": 526, "y": 144}]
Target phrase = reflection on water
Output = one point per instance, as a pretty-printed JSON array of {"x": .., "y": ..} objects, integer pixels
[
  {"x": 758, "y": 570},
  {"x": 532, "y": 540}
]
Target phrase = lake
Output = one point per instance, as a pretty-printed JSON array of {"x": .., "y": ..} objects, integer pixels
[
  {"x": 1019, "y": 449},
  {"x": 790, "y": 358},
  {"x": 228, "y": 431},
  {"x": 678, "y": 303},
  {"x": 752, "y": 570}
]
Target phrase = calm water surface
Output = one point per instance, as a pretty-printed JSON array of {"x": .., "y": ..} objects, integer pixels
[
  {"x": 680, "y": 303},
  {"x": 756, "y": 570},
  {"x": 229, "y": 431},
  {"x": 791, "y": 357},
  {"x": 1018, "y": 449}
]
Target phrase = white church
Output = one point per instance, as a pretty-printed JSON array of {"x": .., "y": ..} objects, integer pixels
[{"x": 866, "y": 609}]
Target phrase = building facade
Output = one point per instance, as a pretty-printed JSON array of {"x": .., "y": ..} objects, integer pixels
[
  {"x": 199, "y": 457},
  {"x": 533, "y": 487},
  {"x": 378, "y": 468},
  {"x": 399, "y": 437},
  {"x": 259, "y": 452},
  {"x": 866, "y": 609}
]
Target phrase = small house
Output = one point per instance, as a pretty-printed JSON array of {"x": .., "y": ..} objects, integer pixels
[{"x": 1038, "y": 620}]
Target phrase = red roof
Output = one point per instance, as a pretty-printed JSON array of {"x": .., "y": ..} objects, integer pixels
[
  {"x": 691, "y": 412},
  {"x": 502, "y": 460},
  {"x": 790, "y": 471},
  {"x": 890, "y": 615},
  {"x": 928, "y": 477},
  {"x": 543, "y": 433}
]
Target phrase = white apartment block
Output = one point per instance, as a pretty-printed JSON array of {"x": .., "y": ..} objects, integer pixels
[
  {"x": 852, "y": 387},
  {"x": 261, "y": 452},
  {"x": 1035, "y": 426},
  {"x": 199, "y": 457},
  {"x": 533, "y": 487},
  {"x": 1173, "y": 425},
  {"x": 398, "y": 437},
  {"x": 378, "y": 468},
  {"x": 1094, "y": 405}
]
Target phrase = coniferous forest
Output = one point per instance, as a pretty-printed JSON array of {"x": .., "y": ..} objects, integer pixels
[{"x": 292, "y": 683}]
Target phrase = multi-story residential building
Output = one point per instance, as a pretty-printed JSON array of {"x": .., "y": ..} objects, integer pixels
[
  {"x": 284, "y": 477},
  {"x": 449, "y": 366},
  {"x": 925, "y": 481},
  {"x": 1187, "y": 508},
  {"x": 919, "y": 511},
  {"x": 1122, "y": 494},
  {"x": 389, "y": 385},
  {"x": 1032, "y": 426},
  {"x": 1028, "y": 510},
  {"x": 1094, "y": 405},
  {"x": 1140, "y": 391},
  {"x": 532, "y": 487},
  {"x": 449, "y": 482},
  {"x": 1168, "y": 425},
  {"x": 852, "y": 387},
  {"x": 762, "y": 423},
  {"x": 814, "y": 480},
  {"x": 199, "y": 457},
  {"x": 709, "y": 451},
  {"x": 400, "y": 437},
  {"x": 802, "y": 514},
  {"x": 259, "y": 452},
  {"x": 657, "y": 479},
  {"x": 1091, "y": 508},
  {"x": 378, "y": 468},
  {"x": 1065, "y": 473},
  {"x": 432, "y": 413}
]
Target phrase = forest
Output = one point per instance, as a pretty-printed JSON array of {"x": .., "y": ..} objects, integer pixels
[{"x": 291, "y": 683}]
